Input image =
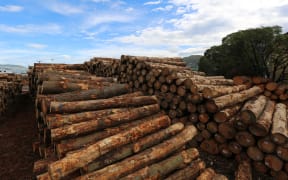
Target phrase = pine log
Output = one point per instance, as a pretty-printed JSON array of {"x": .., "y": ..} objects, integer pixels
[
  {"x": 212, "y": 127},
  {"x": 259, "y": 80},
  {"x": 76, "y": 143},
  {"x": 260, "y": 167},
  {"x": 58, "y": 120},
  {"x": 271, "y": 86},
  {"x": 145, "y": 158},
  {"x": 245, "y": 139},
  {"x": 273, "y": 162},
  {"x": 263, "y": 123},
  {"x": 161, "y": 169},
  {"x": 209, "y": 93},
  {"x": 91, "y": 105},
  {"x": 282, "y": 152},
  {"x": 190, "y": 172},
  {"x": 227, "y": 130},
  {"x": 266, "y": 145},
  {"x": 252, "y": 109},
  {"x": 207, "y": 174},
  {"x": 44, "y": 176},
  {"x": 101, "y": 123},
  {"x": 41, "y": 165},
  {"x": 226, "y": 113},
  {"x": 239, "y": 80},
  {"x": 221, "y": 102},
  {"x": 244, "y": 171},
  {"x": 254, "y": 153},
  {"x": 219, "y": 138},
  {"x": 279, "y": 129},
  {"x": 235, "y": 147},
  {"x": 210, "y": 146},
  {"x": 136, "y": 147},
  {"x": 224, "y": 150}
]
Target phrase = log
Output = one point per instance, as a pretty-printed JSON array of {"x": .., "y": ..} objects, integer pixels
[
  {"x": 271, "y": 86},
  {"x": 44, "y": 176},
  {"x": 101, "y": 123},
  {"x": 161, "y": 169},
  {"x": 207, "y": 174},
  {"x": 145, "y": 158},
  {"x": 227, "y": 130},
  {"x": 226, "y": 113},
  {"x": 263, "y": 123},
  {"x": 224, "y": 150},
  {"x": 255, "y": 154},
  {"x": 282, "y": 152},
  {"x": 190, "y": 172},
  {"x": 244, "y": 171},
  {"x": 252, "y": 109},
  {"x": 210, "y": 146},
  {"x": 245, "y": 139},
  {"x": 74, "y": 161},
  {"x": 58, "y": 120},
  {"x": 266, "y": 145},
  {"x": 129, "y": 149},
  {"x": 279, "y": 131},
  {"x": 101, "y": 93},
  {"x": 273, "y": 162},
  {"x": 209, "y": 92},
  {"x": 260, "y": 167},
  {"x": 91, "y": 105},
  {"x": 41, "y": 165},
  {"x": 76, "y": 143},
  {"x": 234, "y": 147},
  {"x": 221, "y": 102}
]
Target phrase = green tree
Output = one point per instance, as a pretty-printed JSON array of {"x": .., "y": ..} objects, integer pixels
[{"x": 260, "y": 51}]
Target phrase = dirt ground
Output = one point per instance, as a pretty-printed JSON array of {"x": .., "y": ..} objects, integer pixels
[{"x": 17, "y": 133}]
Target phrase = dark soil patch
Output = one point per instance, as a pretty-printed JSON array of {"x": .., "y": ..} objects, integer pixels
[{"x": 17, "y": 133}]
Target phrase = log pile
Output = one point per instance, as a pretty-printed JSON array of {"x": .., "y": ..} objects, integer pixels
[
  {"x": 57, "y": 72},
  {"x": 236, "y": 118},
  {"x": 10, "y": 86},
  {"x": 106, "y": 132},
  {"x": 105, "y": 67}
]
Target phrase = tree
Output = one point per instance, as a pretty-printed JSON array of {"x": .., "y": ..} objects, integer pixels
[{"x": 260, "y": 51}]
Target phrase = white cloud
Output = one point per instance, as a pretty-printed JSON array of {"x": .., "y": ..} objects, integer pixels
[
  {"x": 11, "y": 8},
  {"x": 98, "y": 19},
  {"x": 64, "y": 9},
  {"x": 202, "y": 24},
  {"x": 31, "y": 28},
  {"x": 130, "y": 9},
  {"x": 166, "y": 8},
  {"x": 152, "y": 2},
  {"x": 37, "y": 45}
]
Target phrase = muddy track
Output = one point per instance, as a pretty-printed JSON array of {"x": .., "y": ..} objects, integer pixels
[{"x": 17, "y": 132}]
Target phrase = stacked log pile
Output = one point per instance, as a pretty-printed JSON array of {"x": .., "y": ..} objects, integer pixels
[
  {"x": 235, "y": 118},
  {"x": 57, "y": 72},
  {"x": 10, "y": 86},
  {"x": 107, "y": 132},
  {"x": 105, "y": 67}
]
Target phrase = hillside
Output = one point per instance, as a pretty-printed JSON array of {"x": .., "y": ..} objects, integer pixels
[
  {"x": 192, "y": 61},
  {"x": 9, "y": 68}
]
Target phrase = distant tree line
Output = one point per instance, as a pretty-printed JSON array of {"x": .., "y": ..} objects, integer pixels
[{"x": 252, "y": 52}]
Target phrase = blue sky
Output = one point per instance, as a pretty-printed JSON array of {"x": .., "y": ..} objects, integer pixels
[{"x": 70, "y": 31}]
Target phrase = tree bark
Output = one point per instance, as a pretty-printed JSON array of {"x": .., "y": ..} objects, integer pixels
[
  {"x": 207, "y": 174},
  {"x": 190, "y": 172},
  {"x": 263, "y": 123},
  {"x": 221, "y": 102},
  {"x": 90, "y": 105},
  {"x": 145, "y": 158},
  {"x": 128, "y": 150},
  {"x": 76, "y": 143},
  {"x": 41, "y": 165},
  {"x": 279, "y": 129},
  {"x": 209, "y": 93},
  {"x": 101, "y": 123},
  {"x": 252, "y": 109},
  {"x": 244, "y": 171},
  {"x": 161, "y": 169},
  {"x": 227, "y": 113},
  {"x": 74, "y": 161},
  {"x": 59, "y": 120}
]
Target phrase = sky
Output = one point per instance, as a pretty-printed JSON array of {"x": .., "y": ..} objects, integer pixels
[{"x": 73, "y": 31}]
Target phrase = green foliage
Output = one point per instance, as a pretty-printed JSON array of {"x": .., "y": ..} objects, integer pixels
[
  {"x": 260, "y": 51},
  {"x": 192, "y": 61}
]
